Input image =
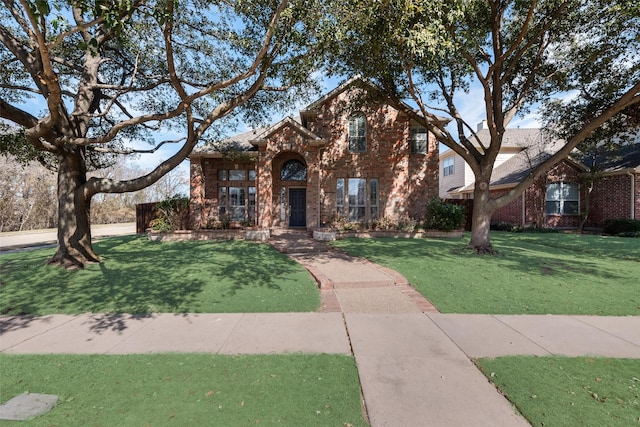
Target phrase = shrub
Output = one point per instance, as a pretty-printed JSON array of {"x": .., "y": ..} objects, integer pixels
[
  {"x": 504, "y": 226},
  {"x": 443, "y": 216},
  {"x": 172, "y": 214},
  {"x": 622, "y": 227},
  {"x": 223, "y": 222}
]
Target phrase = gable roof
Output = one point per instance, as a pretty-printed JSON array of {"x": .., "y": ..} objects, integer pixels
[{"x": 313, "y": 139}]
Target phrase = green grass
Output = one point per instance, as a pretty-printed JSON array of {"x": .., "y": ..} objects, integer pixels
[
  {"x": 532, "y": 273},
  {"x": 140, "y": 276},
  {"x": 188, "y": 389},
  {"x": 560, "y": 391}
]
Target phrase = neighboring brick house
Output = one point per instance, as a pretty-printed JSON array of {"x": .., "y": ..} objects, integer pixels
[
  {"x": 558, "y": 198},
  {"x": 362, "y": 164}
]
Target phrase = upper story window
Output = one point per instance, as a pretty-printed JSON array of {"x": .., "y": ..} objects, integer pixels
[
  {"x": 293, "y": 170},
  {"x": 563, "y": 198},
  {"x": 357, "y": 134},
  {"x": 418, "y": 139},
  {"x": 447, "y": 166}
]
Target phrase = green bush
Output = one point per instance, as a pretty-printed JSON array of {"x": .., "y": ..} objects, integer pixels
[
  {"x": 443, "y": 216},
  {"x": 172, "y": 214},
  {"x": 622, "y": 227}
]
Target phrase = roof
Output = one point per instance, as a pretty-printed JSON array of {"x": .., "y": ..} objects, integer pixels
[
  {"x": 288, "y": 121},
  {"x": 238, "y": 143},
  {"x": 627, "y": 158},
  {"x": 513, "y": 137},
  {"x": 516, "y": 168}
]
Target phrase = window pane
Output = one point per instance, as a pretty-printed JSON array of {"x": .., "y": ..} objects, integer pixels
[
  {"x": 293, "y": 170},
  {"x": 357, "y": 134},
  {"x": 340, "y": 196},
  {"x": 373, "y": 198},
  {"x": 252, "y": 203},
  {"x": 357, "y": 189},
  {"x": 553, "y": 208},
  {"x": 570, "y": 208},
  {"x": 222, "y": 200},
  {"x": 237, "y": 175},
  {"x": 237, "y": 203},
  {"x": 418, "y": 139},
  {"x": 252, "y": 175},
  {"x": 283, "y": 204},
  {"x": 222, "y": 175},
  {"x": 553, "y": 191},
  {"x": 570, "y": 191}
]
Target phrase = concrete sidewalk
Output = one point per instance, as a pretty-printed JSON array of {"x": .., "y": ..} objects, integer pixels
[
  {"x": 413, "y": 362},
  {"x": 22, "y": 239}
]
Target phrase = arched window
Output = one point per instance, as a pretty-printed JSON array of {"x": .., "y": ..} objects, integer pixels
[
  {"x": 293, "y": 170},
  {"x": 357, "y": 133}
]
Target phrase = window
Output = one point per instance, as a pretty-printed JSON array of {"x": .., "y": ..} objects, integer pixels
[
  {"x": 222, "y": 175},
  {"x": 233, "y": 201},
  {"x": 373, "y": 199},
  {"x": 354, "y": 197},
  {"x": 222, "y": 201},
  {"x": 237, "y": 208},
  {"x": 252, "y": 203},
  {"x": 418, "y": 139},
  {"x": 357, "y": 134},
  {"x": 340, "y": 196},
  {"x": 563, "y": 198},
  {"x": 252, "y": 175},
  {"x": 283, "y": 204},
  {"x": 357, "y": 188},
  {"x": 237, "y": 175},
  {"x": 447, "y": 166},
  {"x": 293, "y": 170}
]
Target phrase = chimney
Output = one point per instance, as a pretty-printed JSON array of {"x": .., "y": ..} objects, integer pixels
[{"x": 482, "y": 125}]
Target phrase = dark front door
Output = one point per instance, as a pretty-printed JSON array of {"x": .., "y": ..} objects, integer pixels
[{"x": 297, "y": 207}]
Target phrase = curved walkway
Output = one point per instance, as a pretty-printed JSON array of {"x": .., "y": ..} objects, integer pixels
[{"x": 414, "y": 363}]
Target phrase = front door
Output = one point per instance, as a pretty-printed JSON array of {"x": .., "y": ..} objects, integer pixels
[{"x": 297, "y": 207}]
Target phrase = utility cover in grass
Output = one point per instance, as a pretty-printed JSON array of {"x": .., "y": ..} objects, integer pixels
[{"x": 27, "y": 406}]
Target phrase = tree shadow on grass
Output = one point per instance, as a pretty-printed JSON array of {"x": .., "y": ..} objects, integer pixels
[{"x": 141, "y": 277}]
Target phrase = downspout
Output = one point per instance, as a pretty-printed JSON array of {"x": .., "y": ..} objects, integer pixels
[{"x": 633, "y": 194}]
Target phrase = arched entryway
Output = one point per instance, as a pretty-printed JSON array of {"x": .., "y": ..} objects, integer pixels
[{"x": 290, "y": 177}]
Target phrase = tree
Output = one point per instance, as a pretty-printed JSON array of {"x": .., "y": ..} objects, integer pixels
[
  {"x": 519, "y": 53},
  {"x": 109, "y": 74}
]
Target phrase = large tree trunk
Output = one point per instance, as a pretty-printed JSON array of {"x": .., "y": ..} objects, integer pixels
[
  {"x": 481, "y": 219},
  {"x": 74, "y": 230}
]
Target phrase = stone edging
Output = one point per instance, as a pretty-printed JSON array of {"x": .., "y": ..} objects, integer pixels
[
  {"x": 331, "y": 235},
  {"x": 191, "y": 235}
]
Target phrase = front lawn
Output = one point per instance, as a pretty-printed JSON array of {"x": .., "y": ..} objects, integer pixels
[
  {"x": 139, "y": 276},
  {"x": 563, "y": 391},
  {"x": 532, "y": 273},
  {"x": 188, "y": 389}
]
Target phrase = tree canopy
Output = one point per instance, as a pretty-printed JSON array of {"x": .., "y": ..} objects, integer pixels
[
  {"x": 578, "y": 59},
  {"x": 87, "y": 79}
]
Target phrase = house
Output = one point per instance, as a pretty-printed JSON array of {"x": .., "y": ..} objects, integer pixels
[
  {"x": 559, "y": 198},
  {"x": 357, "y": 161}
]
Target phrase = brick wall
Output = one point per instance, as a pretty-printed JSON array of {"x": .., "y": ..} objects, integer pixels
[
  {"x": 535, "y": 203},
  {"x": 406, "y": 181},
  {"x": 611, "y": 198}
]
